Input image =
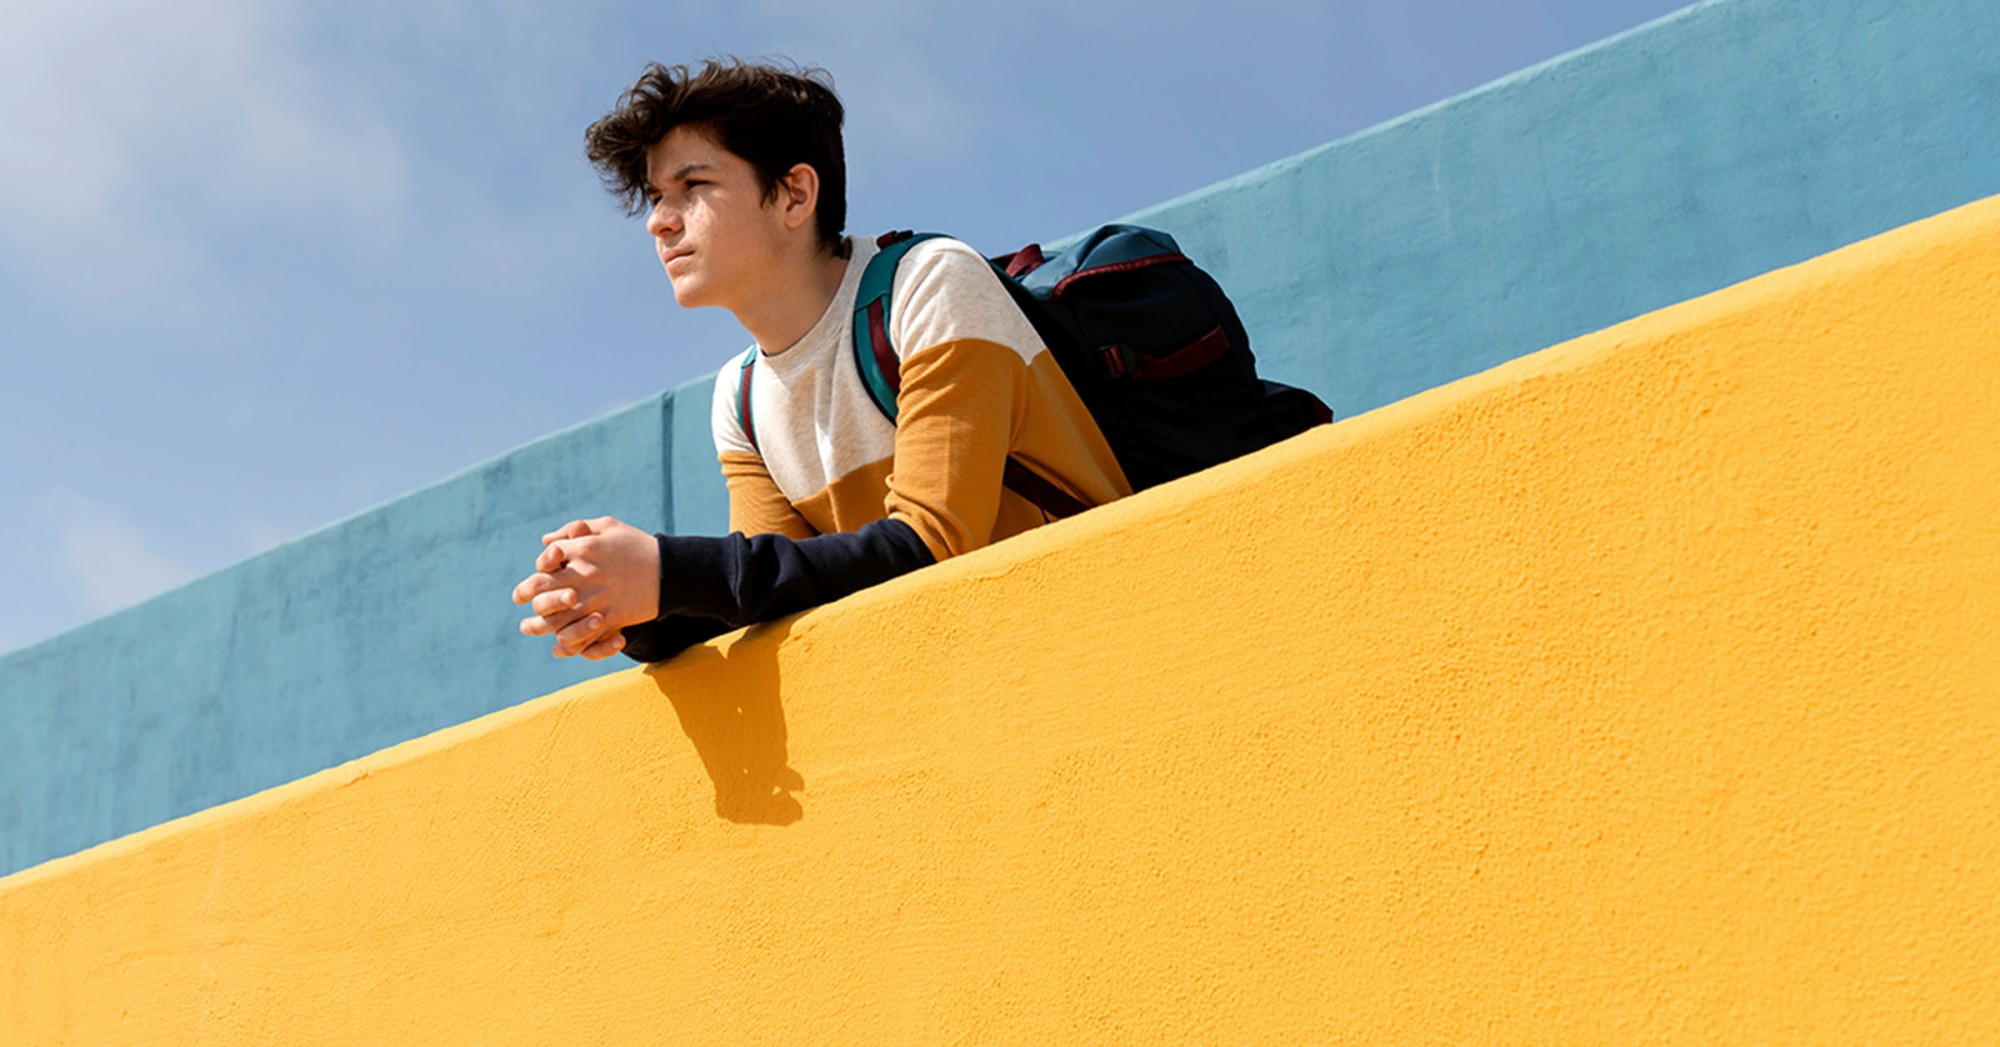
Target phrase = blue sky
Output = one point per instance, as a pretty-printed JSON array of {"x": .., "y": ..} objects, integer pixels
[{"x": 265, "y": 264}]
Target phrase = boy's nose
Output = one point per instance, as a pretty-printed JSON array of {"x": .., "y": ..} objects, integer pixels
[{"x": 661, "y": 222}]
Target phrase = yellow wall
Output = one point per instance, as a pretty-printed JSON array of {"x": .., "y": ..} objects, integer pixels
[{"x": 1645, "y": 688}]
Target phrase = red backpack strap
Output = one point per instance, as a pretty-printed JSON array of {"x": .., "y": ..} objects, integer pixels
[{"x": 874, "y": 356}]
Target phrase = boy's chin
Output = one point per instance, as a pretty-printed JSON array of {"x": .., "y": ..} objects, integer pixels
[{"x": 688, "y": 294}]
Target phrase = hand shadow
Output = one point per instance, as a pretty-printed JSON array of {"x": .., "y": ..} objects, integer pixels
[{"x": 727, "y": 701}]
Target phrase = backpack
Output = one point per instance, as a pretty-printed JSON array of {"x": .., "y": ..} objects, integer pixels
[{"x": 1152, "y": 346}]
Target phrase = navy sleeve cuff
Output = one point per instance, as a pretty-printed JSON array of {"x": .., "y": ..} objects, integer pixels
[{"x": 662, "y": 638}]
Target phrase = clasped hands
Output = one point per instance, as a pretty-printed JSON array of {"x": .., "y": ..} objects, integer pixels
[{"x": 592, "y": 579}]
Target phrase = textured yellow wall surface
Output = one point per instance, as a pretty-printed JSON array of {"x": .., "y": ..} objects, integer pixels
[{"x": 1647, "y": 688}]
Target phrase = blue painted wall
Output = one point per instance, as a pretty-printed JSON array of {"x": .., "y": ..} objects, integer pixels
[
  {"x": 700, "y": 501},
  {"x": 369, "y": 632},
  {"x": 1722, "y": 142},
  {"x": 1732, "y": 138}
]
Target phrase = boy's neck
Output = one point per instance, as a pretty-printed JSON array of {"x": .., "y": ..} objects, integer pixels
[{"x": 800, "y": 293}]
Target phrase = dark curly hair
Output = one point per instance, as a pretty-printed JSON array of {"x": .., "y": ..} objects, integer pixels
[{"x": 771, "y": 116}]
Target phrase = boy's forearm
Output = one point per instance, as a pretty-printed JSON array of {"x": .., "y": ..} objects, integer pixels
[
  {"x": 709, "y": 586},
  {"x": 737, "y": 580}
]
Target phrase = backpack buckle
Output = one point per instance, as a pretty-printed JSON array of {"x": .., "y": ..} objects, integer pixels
[{"x": 1116, "y": 361}]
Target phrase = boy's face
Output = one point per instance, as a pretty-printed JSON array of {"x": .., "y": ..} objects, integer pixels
[{"x": 717, "y": 236}]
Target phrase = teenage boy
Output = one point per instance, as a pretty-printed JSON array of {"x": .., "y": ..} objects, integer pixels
[{"x": 742, "y": 169}]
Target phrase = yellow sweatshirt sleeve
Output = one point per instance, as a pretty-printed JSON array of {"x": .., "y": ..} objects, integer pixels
[
  {"x": 965, "y": 406},
  {"x": 978, "y": 387},
  {"x": 756, "y": 506},
  {"x": 954, "y": 427}
]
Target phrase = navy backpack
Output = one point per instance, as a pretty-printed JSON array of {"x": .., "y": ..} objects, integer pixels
[{"x": 1151, "y": 344}]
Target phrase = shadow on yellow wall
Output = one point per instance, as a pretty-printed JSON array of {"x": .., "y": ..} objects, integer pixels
[{"x": 728, "y": 701}]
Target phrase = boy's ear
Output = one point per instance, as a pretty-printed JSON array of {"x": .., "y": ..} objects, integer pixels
[{"x": 798, "y": 195}]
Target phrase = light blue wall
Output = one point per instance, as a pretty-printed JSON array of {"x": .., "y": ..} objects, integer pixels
[
  {"x": 1722, "y": 142},
  {"x": 701, "y": 503},
  {"x": 369, "y": 632},
  {"x": 1732, "y": 138}
]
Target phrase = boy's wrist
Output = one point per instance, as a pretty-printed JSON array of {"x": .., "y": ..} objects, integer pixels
[{"x": 695, "y": 576}]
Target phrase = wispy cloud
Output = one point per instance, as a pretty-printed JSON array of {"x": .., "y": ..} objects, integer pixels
[
  {"x": 107, "y": 106},
  {"x": 893, "y": 76},
  {"x": 104, "y": 560},
  {"x": 261, "y": 535}
]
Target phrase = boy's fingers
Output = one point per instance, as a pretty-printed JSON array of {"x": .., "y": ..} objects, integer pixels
[
  {"x": 606, "y": 647},
  {"x": 580, "y": 635},
  {"x": 552, "y": 594},
  {"x": 553, "y": 557},
  {"x": 550, "y": 624},
  {"x": 572, "y": 529},
  {"x": 560, "y": 620},
  {"x": 554, "y": 601},
  {"x": 545, "y": 581},
  {"x": 532, "y": 586}
]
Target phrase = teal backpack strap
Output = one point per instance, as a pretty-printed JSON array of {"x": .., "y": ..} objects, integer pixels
[
  {"x": 874, "y": 355},
  {"x": 744, "y": 420}
]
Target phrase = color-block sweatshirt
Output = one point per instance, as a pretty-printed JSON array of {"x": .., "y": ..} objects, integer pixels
[{"x": 831, "y": 497}]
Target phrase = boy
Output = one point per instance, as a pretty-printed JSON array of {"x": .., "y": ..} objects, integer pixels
[{"x": 742, "y": 168}]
